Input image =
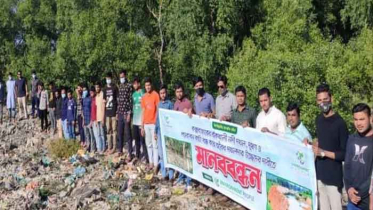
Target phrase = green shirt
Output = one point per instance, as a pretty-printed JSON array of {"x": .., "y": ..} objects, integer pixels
[
  {"x": 137, "y": 111},
  {"x": 247, "y": 114}
]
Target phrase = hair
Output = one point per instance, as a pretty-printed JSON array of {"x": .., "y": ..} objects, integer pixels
[
  {"x": 70, "y": 91},
  {"x": 51, "y": 83},
  {"x": 148, "y": 80},
  {"x": 98, "y": 83},
  {"x": 123, "y": 72},
  {"x": 293, "y": 106},
  {"x": 361, "y": 107},
  {"x": 10, "y": 74},
  {"x": 109, "y": 75},
  {"x": 40, "y": 83},
  {"x": 57, "y": 90},
  {"x": 240, "y": 89},
  {"x": 136, "y": 79},
  {"x": 264, "y": 91},
  {"x": 33, "y": 71},
  {"x": 224, "y": 79},
  {"x": 179, "y": 85},
  {"x": 323, "y": 88},
  {"x": 92, "y": 88},
  {"x": 197, "y": 80},
  {"x": 163, "y": 86}
]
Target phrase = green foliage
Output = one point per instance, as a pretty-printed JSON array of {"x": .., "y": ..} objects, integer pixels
[{"x": 61, "y": 148}]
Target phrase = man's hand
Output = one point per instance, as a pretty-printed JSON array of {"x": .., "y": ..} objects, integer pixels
[
  {"x": 190, "y": 113},
  {"x": 155, "y": 136},
  {"x": 305, "y": 141},
  {"x": 265, "y": 130},
  {"x": 142, "y": 132},
  {"x": 352, "y": 194},
  {"x": 223, "y": 118},
  {"x": 245, "y": 124}
]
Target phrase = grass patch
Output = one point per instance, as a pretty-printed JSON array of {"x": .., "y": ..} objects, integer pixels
[{"x": 62, "y": 148}]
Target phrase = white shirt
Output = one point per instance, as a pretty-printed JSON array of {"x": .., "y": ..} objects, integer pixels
[{"x": 274, "y": 120}]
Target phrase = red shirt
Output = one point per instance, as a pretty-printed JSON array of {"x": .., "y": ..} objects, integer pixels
[{"x": 93, "y": 110}]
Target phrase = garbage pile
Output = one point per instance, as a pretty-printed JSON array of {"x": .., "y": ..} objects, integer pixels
[{"x": 31, "y": 178}]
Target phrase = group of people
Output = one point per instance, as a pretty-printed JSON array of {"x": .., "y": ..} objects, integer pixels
[{"x": 110, "y": 117}]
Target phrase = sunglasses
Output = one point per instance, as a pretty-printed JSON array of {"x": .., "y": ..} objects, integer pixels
[{"x": 221, "y": 87}]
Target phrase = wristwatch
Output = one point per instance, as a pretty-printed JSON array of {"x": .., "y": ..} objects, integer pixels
[{"x": 322, "y": 153}]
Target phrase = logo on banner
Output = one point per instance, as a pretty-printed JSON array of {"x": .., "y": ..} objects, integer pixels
[
  {"x": 166, "y": 121},
  {"x": 301, "y": 158}
]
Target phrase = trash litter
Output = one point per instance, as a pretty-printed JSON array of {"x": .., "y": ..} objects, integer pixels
[{"x": 79, "y": 171}]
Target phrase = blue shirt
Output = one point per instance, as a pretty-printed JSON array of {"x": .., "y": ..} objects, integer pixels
[
  {"x": 299, "y": 134},
  {"x": 64, "y": 109},
  {"x": 167, "y": 104},
  {"x": 71, "y": 110},
  {"x": 206, "y": 105},
  {"x": 87, "y": 101}
]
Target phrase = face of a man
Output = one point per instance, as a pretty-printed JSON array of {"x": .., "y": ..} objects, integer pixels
[
  {"x": 241, "y": 98},
  {"x": 222, "y": 87},
  {"x": 265, "y": 102},
  {"x": 57, "y": 94},
  {"x": 136, "y": 85},
  {"x": 361, "y": 121},
  {"x": 293, "y": 118},
  {"x": 69, "y": 95},
  {"x": 163, "y": 94},
  {"x": 121, "y": 75},
  {"x": 198, "y": 85},
  {"x": 323, "y": 97},
  {"x": 80, "y": 89},
  {"x": 19, "y": 75},
  {"x": 179, "y": 93},
  {"x": 148, "y": 87}
]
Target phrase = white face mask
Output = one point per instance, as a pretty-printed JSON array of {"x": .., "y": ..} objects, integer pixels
[
  {"x": 108, "y": 81},
  {"x": 10, "y": 78},
  {"x": 33, "y": 76},
  {"x": 122, "y": 80}
]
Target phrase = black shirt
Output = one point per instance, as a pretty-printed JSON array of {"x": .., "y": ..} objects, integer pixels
[
  {"x": 358, "y": 166},
  {"x": 111, "y": 95},
  {"x": 21, "y": 87},
  {"x": 332, "y": 136},
  {"x": 58, "y": 110}
]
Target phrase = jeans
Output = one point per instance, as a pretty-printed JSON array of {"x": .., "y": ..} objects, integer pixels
[
  {"x": 52, "y": 118},
  {"x": 44, "y": 119},
  {"x": 185, "y": 178},
  {"x": 151, "y": 144},
  {"x": 111, "y": 128},
  {"x": 98, "y": 131},
  {"x": 34, "y": 106},
  {"x": 124, "y": 130},
  {"x": 351, "y": 206},
  {"x": 330, "y": 196},
  {"x": 22, "y": 102},
  {"x": 65, "y": 130},
  {"x": 140, "y": 142},
  {"x": 80, "y": 128},
  {"x": 70, "y": 129},
  {"x": 1, "y": 113},
  {"x": 161, "y": 159},
  {"x": 89, "y": 138}
]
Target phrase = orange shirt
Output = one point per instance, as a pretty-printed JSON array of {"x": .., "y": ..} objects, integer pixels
[{"x": 149, "y": 103}]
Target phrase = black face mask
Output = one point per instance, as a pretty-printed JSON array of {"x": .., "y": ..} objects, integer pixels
[
  {"x": 224, "y": 93},
  {"x": 325, "y": 107},
  {"x": 200, "y": 91}
]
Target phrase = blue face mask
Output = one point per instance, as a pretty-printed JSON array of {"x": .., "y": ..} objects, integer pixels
[
  {"x": 85, "y": 93},
  {"x": 63, "y": 95}
]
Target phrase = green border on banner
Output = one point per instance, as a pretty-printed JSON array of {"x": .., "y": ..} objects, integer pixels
[{"x": 225, "y": 128}]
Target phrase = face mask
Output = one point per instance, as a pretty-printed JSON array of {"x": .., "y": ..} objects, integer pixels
[
  {"x": 63, "y": 95},
  {"x": 200, "y": 91},
  {"x": 10, "y": 78},
  {"x": 224, "y": 92},
  {"x": 85, "y": 93},
  {"x": 33, "y": 76},
  {"x": 122, "y": 80},
  {"x": 108, "y": 81},
  {"x": 325, "y": 107}
]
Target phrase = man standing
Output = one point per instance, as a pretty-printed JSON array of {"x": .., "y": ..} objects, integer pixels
[
  {"x": 330, "y": 150},
  {"x": 296, "y": 130},
  {"x": 99, "y": 106},
  {"x": 2, "y": 100},
  {"x": 58, "y": 113},
  {"x": 359, "y": 159},
  {"x": 149, "y": 103},
  {"x": 11, "y": 98},
  {"x": 21, "y": 87},
  {"x": 71, "y": 114},
  {"x": 270, "y": 119},
  {"x": 137, "y": 120},
  {"x": 34, "y": 97},
  {"x": 64, "y": 113},
  {"x": 87, "y": 107},
  {"x": 204, "y": 104},
  {"x": 43, "y": 106},
  {"x": 243, "y": 115},
  {"x": 79, "y": 113},
  {"x": 110, "y": 101},
  {"x": 124, "y": 114},
  {"x": 226, "y": 102},
  {"x": 165, "y": 103}
]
